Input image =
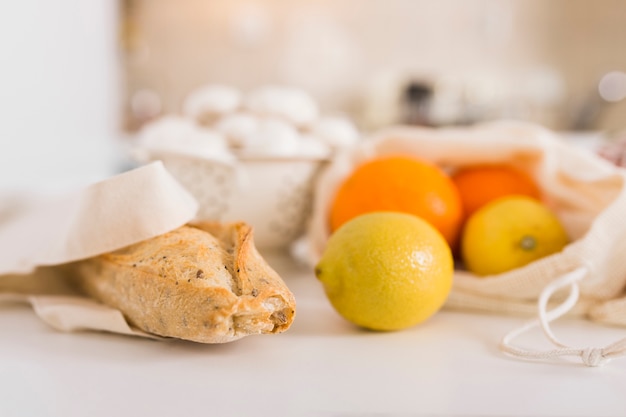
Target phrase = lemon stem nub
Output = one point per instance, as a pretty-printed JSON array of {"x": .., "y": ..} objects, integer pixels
[
  {"x": 528, "y": 243},
  {"x": 318, "y": 272}
]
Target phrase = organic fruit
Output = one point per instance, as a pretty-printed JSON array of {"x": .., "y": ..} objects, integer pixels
[
  {"x": 509, "y": 233},
  {"x": 386, "y": 270},
  {"x": 401, "y": 184},
  {"x": 481, "y": 184}
]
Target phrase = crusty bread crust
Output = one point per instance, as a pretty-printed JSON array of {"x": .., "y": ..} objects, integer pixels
[{"x": 204, "y": 282}]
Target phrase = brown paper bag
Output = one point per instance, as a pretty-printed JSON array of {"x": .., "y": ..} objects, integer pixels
[{"x": 587, "y": 193}]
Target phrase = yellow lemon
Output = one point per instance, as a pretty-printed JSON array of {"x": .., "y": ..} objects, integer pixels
[
  {"x": 508, "y": 233},
  {"x": 386, "y": 270}
]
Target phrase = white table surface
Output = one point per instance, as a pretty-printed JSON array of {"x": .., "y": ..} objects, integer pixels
[{"x": 322, "y": 366}]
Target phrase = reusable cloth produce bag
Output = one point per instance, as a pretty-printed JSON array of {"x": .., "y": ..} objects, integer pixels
[{"x": 588, "y": 195}]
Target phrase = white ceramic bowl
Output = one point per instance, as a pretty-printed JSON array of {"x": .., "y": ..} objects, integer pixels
[{"x": 274, "y": 195}]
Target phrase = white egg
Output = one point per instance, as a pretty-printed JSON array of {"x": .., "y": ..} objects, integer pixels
[
  {"x": 238, "y": 128},
  {"x": 294, "y": 105},
  {"x": 335, "y": 131},
  {"x": 164, "y": 131},
  {"x": 175, "y": 134},
  {"x": 312, "y": 147},
  {"x": 207, "y": 144},
  {"x": 211, "y": 99},
  {"x": 273, "y": 137}
]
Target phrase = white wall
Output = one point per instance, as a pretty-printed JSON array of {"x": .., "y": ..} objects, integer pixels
[{"x": 59, "y": 92}]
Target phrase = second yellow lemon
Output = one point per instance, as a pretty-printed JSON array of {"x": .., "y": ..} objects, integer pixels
[{"x": 509, "y": 233}]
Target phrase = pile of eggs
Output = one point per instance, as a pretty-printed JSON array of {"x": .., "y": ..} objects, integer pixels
[{"x": 220, "y": 122}]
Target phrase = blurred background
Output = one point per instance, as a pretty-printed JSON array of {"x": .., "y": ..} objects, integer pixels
[{"x": 78, "y": 77}]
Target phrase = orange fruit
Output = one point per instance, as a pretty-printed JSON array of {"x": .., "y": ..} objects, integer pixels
[
  {"x": 401, "y": 184},
  {"x": 481, "y": 184}
]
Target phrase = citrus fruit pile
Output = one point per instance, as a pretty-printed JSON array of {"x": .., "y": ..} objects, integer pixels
[{"x": 396, "y": 221}]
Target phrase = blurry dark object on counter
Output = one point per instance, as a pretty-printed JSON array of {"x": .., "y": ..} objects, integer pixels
[{"x": 415, "y": 106}]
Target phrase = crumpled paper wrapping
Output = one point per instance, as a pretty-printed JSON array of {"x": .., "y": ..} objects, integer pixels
[{"x": 38, "y": 236}]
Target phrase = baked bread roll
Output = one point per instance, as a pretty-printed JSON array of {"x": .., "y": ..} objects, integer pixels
[{"x": 204, "y": 282}]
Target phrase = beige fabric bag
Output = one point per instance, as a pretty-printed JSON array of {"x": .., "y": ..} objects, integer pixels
[{"x": 587, "y": 193}]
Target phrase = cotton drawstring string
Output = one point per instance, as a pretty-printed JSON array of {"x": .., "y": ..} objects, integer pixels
[{"x": 592, "y": 356}]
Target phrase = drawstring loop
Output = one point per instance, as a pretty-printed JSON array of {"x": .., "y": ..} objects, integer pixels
[{"x": 591, "y": 356}]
